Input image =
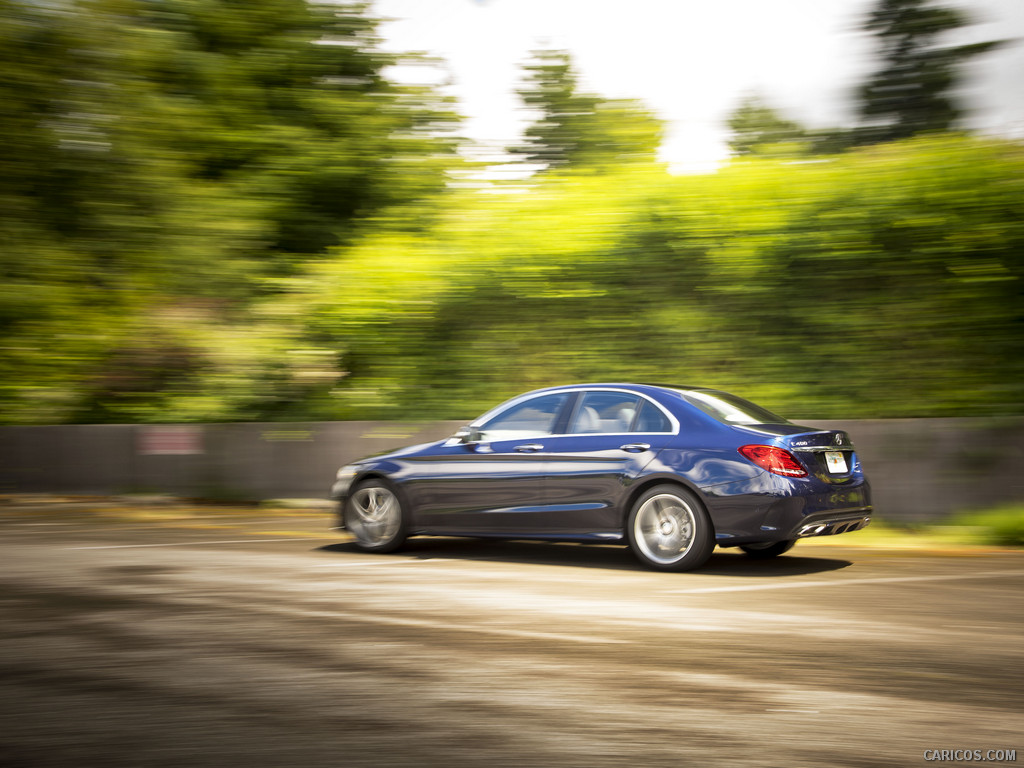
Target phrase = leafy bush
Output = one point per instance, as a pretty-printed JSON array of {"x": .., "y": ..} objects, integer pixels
[
  {"x": 1003, "y": 526},
  {"x": 885, "y": 282}
]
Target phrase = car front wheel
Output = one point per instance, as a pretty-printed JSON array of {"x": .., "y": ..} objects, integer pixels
[
  {"x": 374, "y": 515},
  {"x": 669, "y": 530}
]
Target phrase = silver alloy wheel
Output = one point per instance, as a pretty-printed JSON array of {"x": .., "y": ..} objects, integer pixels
[
  {"x": 664, "y": 528},
  {"x": 377, "y": 516}
]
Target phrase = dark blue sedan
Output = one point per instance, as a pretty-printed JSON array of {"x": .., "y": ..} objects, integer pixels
[{"x": 672, "y": 471}]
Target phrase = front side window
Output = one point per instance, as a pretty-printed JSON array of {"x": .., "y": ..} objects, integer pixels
[
  {"x": 605, "y": 413},
  {"x": 531, "y": 418}
]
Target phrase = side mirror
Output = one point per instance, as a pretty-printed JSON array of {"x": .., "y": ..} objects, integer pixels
[{"x": 468, "y": 435}]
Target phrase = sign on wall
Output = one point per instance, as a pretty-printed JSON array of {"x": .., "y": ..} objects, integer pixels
[{"x": 170, "y": 440}]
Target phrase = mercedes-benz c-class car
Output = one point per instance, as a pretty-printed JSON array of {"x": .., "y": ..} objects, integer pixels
[{"x": 670, "y": 471}]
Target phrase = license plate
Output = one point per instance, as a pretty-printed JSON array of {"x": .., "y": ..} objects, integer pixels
[{"x": 836, "y": 462}]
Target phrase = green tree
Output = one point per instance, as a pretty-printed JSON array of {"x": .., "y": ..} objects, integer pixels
[
  {"x": 576, "y": 128},
  {"x": 286, "y": 102},
  {"x": 166, "y": 163},
  {"x": 754, "y": 124},
  {"x": 912, "y": 91}
]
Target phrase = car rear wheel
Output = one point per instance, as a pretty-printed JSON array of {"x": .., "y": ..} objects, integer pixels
[
  {"x": 374, "y": 515},
  {"x": 669, "y": 530},
  {"x": 767, "y": 549}
]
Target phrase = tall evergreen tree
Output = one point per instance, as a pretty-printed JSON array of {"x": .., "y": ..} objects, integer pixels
[
  {"x": 576, "y": 128},
  {"x": 912, "y": 91}
]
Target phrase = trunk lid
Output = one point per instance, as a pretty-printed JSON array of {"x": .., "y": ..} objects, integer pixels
[{"x": 826, "y": 453}]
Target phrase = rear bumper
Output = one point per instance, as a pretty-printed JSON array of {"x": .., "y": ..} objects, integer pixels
[{"x": 788, "y": 509}]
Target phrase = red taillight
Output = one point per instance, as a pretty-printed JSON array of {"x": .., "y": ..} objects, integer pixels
[{"x": 776, "y": 460}]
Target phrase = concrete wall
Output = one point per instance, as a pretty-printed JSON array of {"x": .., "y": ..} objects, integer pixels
[
  {"x": 925, "y": 469},
  {"x": 920, "y": 469},
  {"x": 225, "y": 461}
]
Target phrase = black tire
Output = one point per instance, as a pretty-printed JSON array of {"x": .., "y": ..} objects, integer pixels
[
  {"x": 669, "y": 530},
  {"x": 375, "y": 516},
  {"x": 767, "y": 550}
]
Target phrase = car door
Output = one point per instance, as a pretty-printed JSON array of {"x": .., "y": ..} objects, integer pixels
[
  {"x": 494, "y": 483},
  {"x": 612, "y": 436}
]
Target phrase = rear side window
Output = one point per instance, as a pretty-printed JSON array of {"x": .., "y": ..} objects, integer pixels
[
  {"x": 651, "y": 419},
  {"x": 731, "y": 409},
  {"x": 604, "y": 413}
]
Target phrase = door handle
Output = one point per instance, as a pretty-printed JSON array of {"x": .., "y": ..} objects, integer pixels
[
  {"x": 635, "y": 447},
  {"x": 529, "y": 448}
]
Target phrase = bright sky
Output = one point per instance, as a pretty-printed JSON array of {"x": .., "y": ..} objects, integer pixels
[{"x": 690, "y": 61}]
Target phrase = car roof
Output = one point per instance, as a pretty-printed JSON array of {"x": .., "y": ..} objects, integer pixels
[{"x": 639, "y": 387}]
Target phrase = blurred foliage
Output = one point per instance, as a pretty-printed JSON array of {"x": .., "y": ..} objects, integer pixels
[
  {"x": 166, "y": 162},
  {"x": 223, "y": 211},
  {"x": 757, "y": 128},
  {"x": 575, "y": 128},
  {"x": 883, "y": 282},
  {"x": 1002, "y": 526},
  {"x": 912, "y": 90}
]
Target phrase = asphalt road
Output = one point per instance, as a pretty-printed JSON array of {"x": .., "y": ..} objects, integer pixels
[{"x": 166, "y": 636}]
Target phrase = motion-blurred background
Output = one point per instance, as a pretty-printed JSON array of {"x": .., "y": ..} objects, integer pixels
[{"x": 225, "y": 211}]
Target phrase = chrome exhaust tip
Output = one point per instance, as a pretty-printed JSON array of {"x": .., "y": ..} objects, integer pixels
[{"x": 833, "y": 527}]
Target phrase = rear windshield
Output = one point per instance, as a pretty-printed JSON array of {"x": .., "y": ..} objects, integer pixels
[{"x": 730, "y": 408}]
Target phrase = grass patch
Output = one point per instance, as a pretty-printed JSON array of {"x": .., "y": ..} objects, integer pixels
[
  {"x": 1002, "y": 526},
  {"x": 888, "y": 535}
]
